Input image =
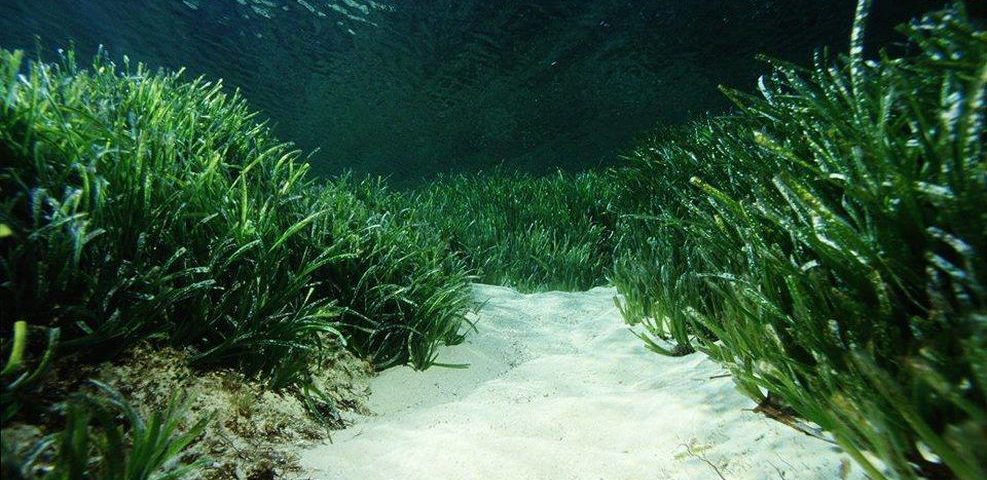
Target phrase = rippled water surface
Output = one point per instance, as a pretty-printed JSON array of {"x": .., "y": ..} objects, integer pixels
[{"x": 410, "y": 88}]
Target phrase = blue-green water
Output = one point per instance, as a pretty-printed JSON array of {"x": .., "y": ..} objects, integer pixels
[{"x": 411, "y": 88}]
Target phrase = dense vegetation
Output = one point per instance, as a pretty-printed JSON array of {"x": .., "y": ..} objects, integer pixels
[
  {"x": 533, "y": 233},
  {"x": 138, "y": 206},
  {"x": 824, "y": 242},
  {"x": 827, "y": 245}
]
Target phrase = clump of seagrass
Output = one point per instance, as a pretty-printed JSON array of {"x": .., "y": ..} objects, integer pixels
[
  {"x": 826, "y": 243},
  {"x": 142, "y": 207},
  {"x": 552, "y": 232}
]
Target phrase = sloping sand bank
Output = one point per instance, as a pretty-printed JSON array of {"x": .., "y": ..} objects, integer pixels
[{"x": 558, "y": 388}]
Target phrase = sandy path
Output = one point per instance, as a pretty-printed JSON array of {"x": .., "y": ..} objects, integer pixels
[{"x": 558, "y": 388}]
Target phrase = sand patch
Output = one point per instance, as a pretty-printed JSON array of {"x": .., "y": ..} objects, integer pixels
[{"x": 558, "y": 388}]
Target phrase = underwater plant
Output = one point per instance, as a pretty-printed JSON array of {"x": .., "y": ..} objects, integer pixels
[
  {"x": 826, "y": 243},
  {"x": 96, "y": 444},
  {"x": 142, "y": 206},
  {"x": 19, "y": 379},
  {"x": 139, "y": 207},
  {"x": 534, "y": 233}
]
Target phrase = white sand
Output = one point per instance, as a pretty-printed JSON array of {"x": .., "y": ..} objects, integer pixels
[{"x": 558, "y": 388}]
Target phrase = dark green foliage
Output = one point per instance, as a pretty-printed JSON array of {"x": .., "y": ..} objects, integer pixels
[
  {"x": 665, "y": 248},
  {"x": 18, "y": 377},
  {"x": 534, "y": 233},
  {"x": 404, "y": 291},
  {"x": 828, "y": 242},
  {"x": 95, "y": 444},
  {"x": 141, "y": 206}
]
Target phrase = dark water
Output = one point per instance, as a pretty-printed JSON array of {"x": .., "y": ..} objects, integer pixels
[{"x": 410, "y": 88}]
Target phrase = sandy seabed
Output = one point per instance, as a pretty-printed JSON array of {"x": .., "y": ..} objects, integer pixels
[{"x": 558, "y": 388}]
